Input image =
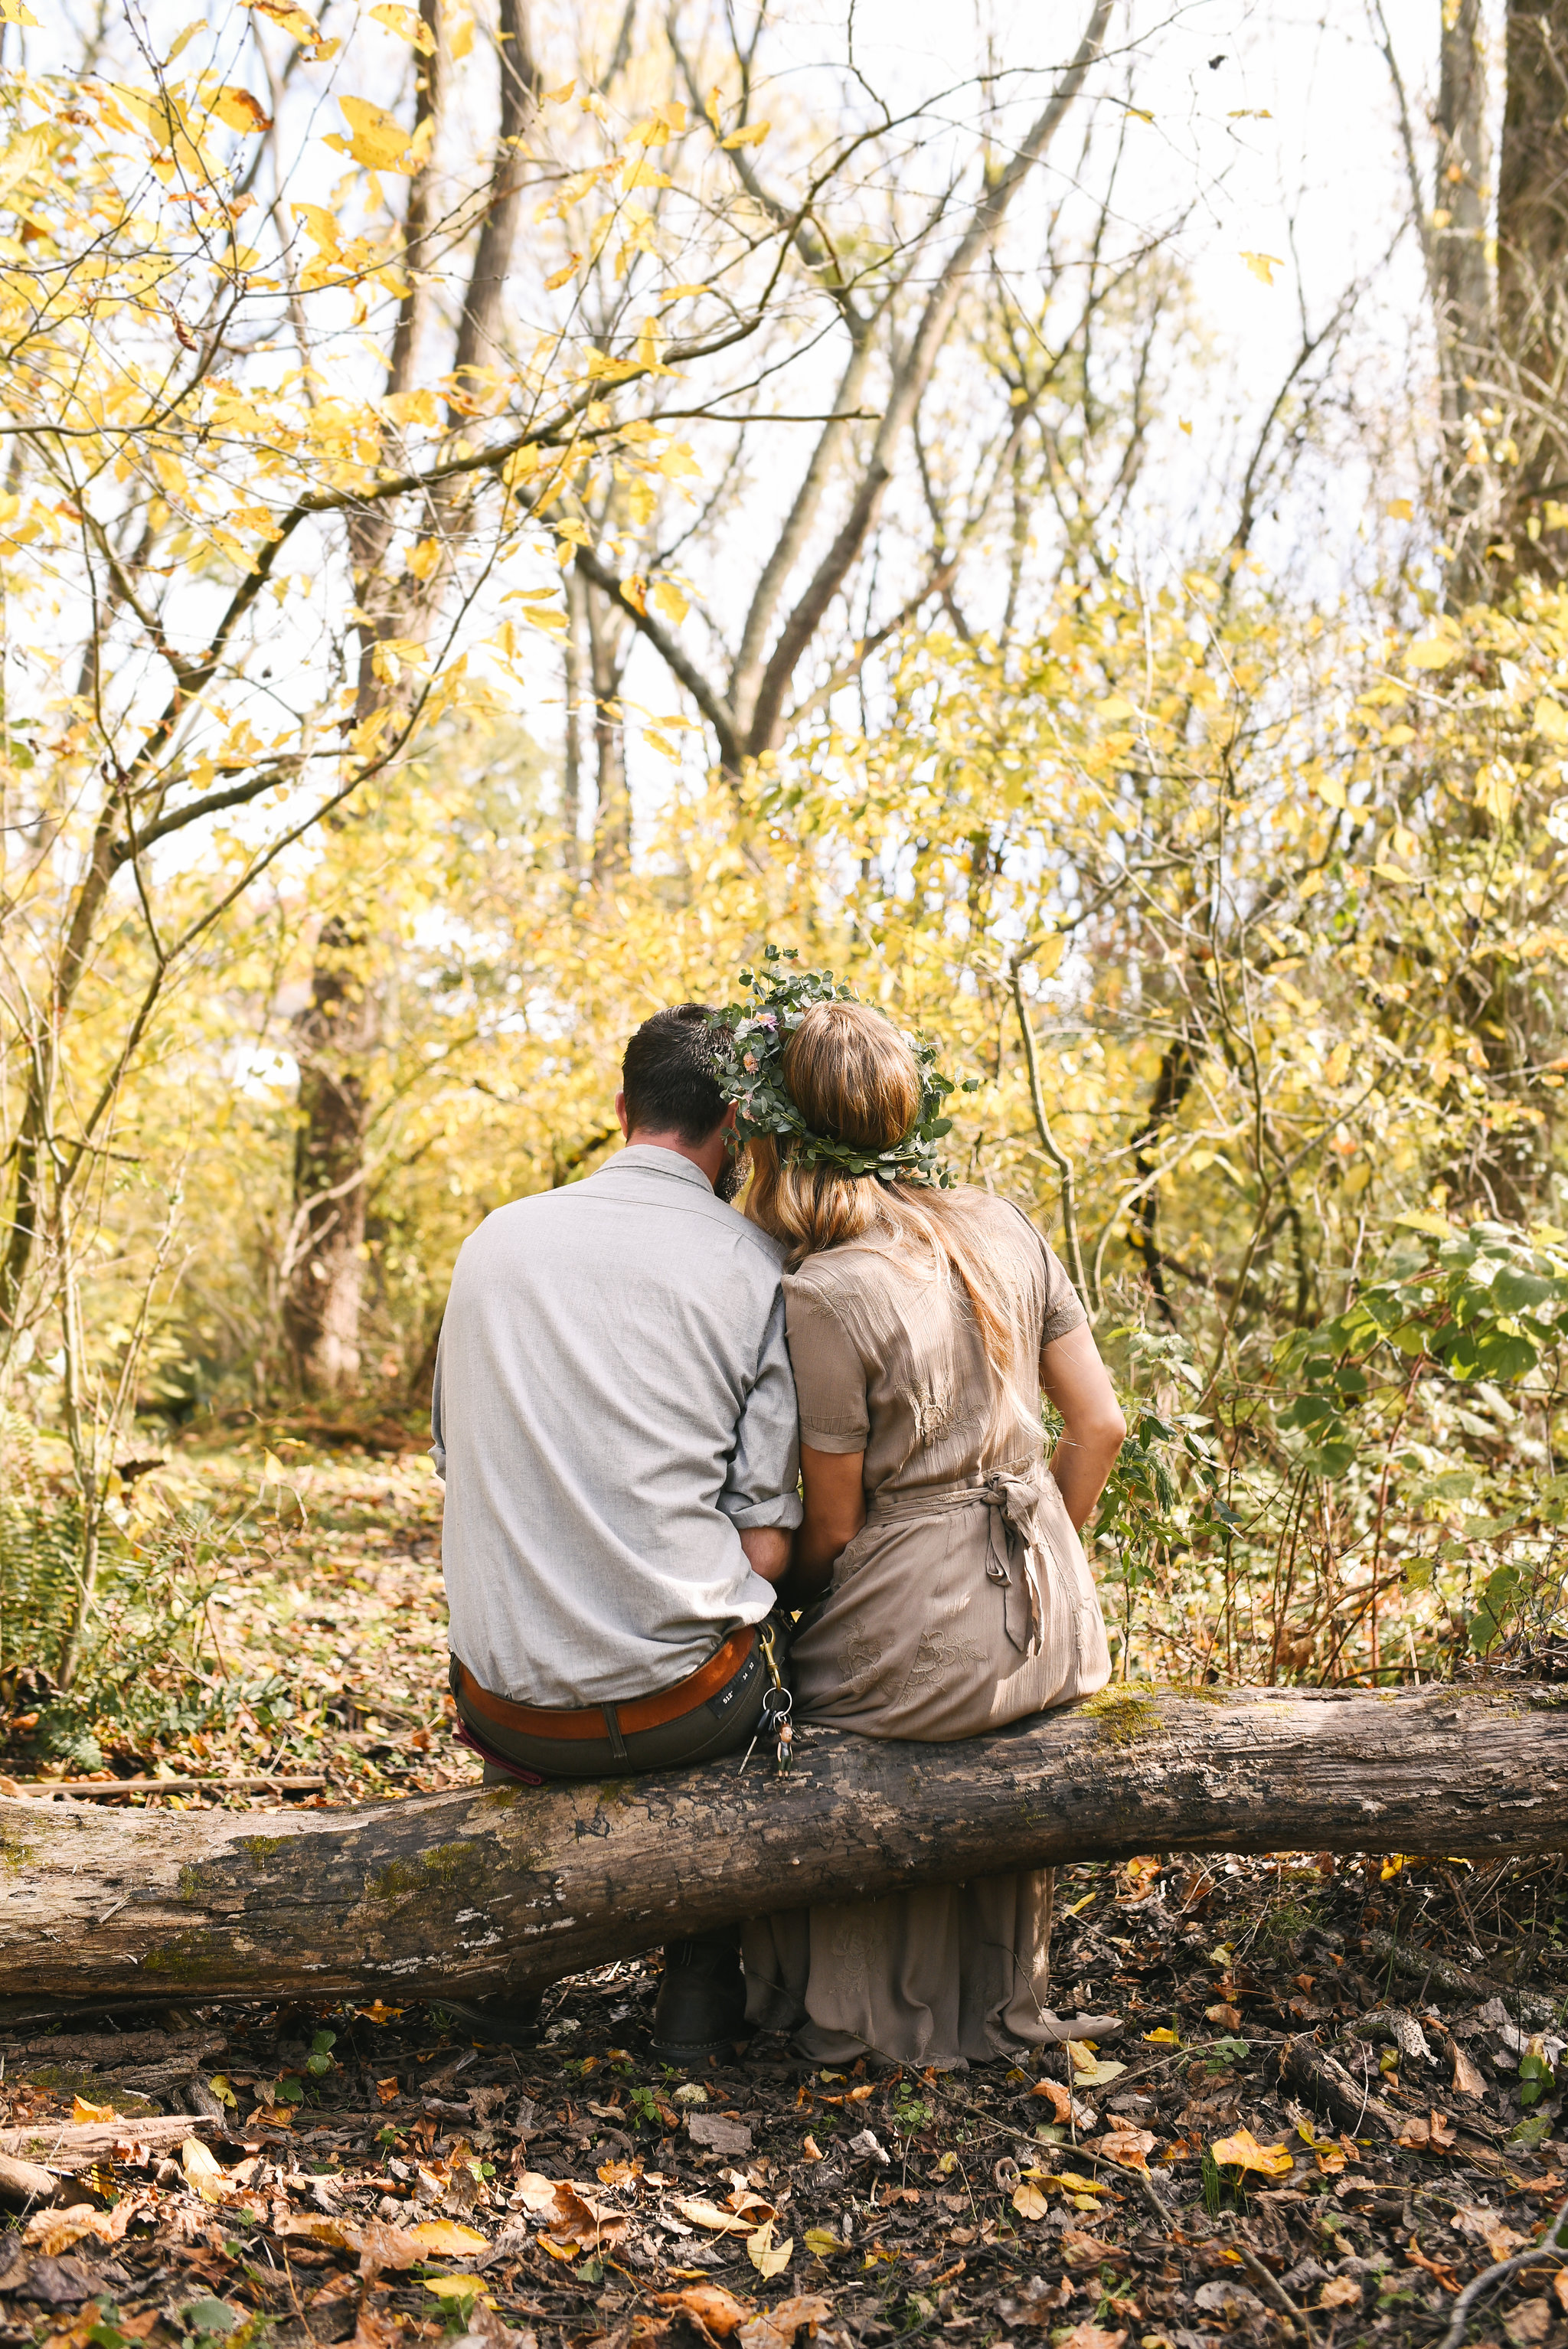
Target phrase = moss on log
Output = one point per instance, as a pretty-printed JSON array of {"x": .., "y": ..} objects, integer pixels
[{"x": 483, "y": 1888}]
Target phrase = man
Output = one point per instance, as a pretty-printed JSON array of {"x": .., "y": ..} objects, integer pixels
[{"x": 614, "y": 1418}]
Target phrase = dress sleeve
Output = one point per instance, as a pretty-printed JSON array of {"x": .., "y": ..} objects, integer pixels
[
  {"x": 829, "y": 1380},
  {"x": 1063, "y": 1309}
]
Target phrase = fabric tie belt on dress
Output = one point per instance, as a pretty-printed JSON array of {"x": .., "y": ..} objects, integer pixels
[{"x": 1017, "y": 1535}]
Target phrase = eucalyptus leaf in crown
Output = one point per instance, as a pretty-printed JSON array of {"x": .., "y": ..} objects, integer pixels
[{"x": 759, "y": 1033}]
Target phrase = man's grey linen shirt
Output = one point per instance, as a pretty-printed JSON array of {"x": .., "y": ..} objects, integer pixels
[{"x": 612, "y": 1404}]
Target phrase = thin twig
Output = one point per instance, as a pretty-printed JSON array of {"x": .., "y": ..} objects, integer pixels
[{"x": 1546, "y": 2249}]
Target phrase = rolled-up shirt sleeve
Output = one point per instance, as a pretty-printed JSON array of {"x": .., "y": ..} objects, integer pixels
[
  {"x": 438, "y": 1437},
  {"x": 762, "y": 1485}
]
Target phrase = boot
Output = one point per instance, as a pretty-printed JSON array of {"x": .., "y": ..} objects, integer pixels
[{"x": 701, "y": 2010}]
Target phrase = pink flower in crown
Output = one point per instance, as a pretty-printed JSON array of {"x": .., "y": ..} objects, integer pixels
[
  {"x": 767, "y": 1020},
  {"x": 748, "y": 1062}
]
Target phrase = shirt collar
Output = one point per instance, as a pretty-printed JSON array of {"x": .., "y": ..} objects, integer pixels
[{"x": 649, "y": 1158}]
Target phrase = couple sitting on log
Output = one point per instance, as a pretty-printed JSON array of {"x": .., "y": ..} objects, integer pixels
[{"x": 637, "y": 1385}]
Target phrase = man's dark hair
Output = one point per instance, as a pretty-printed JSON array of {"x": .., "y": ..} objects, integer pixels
[{"x": 669, "y": 1075}]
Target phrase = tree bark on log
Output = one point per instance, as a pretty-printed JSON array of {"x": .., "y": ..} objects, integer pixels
[{"x": 490, "y": 1888}]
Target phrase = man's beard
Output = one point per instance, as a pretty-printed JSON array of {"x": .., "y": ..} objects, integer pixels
[{"x": 731, "y": 1176}]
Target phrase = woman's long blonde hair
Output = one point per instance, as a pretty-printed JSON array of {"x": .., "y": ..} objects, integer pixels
[{"x": 854, "y": 1079}]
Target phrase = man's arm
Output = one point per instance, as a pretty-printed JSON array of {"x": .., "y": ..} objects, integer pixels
[
  {"x": 767, "y": 1549},
  {"x": 1077, "y": 1381}
]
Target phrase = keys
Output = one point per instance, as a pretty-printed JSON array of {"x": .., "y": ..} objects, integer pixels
[{"x": 777, "y": 1704}]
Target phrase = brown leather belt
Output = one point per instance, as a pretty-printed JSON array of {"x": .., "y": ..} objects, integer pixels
[{"x": 597, "y": 1720}]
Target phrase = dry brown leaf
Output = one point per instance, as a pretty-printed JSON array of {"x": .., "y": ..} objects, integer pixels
[
  {"x": 1560, "y": 2285},
  {"x": 1230, "y": 2016},
  {"x": 1340, "y": 2291},
  {"x": 1057, "y": 2097},
  {"x": 699, "y": 2213},
  {"x": 1442, "y": 2133},
  {"x": 715, "y": 2310},
  {"x": 1414, "y": 2132},
  {"x": 1487, "y": 2227},
  {"x": 1467, "y": 2080},
  {"x": 204, "y": 2173},
  {"x": 443, "y": 2239},
  {"x": 536, "y": 2193},
  {"x": 1530, "y": 2323},
  {"x": 776, "y": 2328},
  {"x": 1439, "y": 2267},
  {"x": 1081, "y": 2250},
  {"x": 1128, "y": 2148},
  {"x": 1029, "y": 2202},
  {"x": 54, "y": 2232},
  {"x": 580, "y": 2221},
  {"x": 1089, "y": 2335}
]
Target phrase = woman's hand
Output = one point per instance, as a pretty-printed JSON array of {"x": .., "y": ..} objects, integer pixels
[
  {"x": 1077, "y": 1383},
  {"x": 835, "y": 1512}
]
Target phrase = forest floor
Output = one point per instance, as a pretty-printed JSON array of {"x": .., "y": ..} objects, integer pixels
[{"x": 1330, "y": 2104}]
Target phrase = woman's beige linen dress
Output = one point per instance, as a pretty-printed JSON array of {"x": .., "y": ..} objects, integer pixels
[{"x": 965, "y": 1602}]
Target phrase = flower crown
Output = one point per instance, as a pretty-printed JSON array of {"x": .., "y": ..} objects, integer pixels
[{"x": 752, "y": 1077}]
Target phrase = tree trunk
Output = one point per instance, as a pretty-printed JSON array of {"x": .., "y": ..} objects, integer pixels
[
  {"x": 1461, "y": 287},
  {"x": 500, "y": 1888},
  {"x": 326, "y": 1275},
  {"x": 1533, "y": 289}
]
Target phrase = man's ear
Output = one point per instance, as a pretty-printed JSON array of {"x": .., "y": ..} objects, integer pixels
[{"x": 621, "y": 1114}]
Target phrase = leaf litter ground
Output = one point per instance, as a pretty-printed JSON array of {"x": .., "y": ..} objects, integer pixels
[{"x": 1332, "y": 2103}]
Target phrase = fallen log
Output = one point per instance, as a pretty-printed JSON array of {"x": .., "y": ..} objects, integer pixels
[{"x": 482, "y": 1888}]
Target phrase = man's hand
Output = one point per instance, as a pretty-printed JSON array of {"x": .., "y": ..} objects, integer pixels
[{"x": 767, "y": 1549}]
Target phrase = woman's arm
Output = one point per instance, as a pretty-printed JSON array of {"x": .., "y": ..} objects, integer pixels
[
  {"x": 835, "y": 1512},
  {"x": 1077, "y": 1383}
]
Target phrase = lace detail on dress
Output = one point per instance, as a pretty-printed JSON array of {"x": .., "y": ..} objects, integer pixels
[
  {"x": 939, "y": 1655},
  {"x": 934, "y": 1415},
  {"x": 859, "y": 1656}
]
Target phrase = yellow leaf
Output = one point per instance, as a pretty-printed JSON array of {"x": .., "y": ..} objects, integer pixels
[
  {"x": 82, "y": 2111},
  {"x": 320, "y": 226},
  {"x": 1262, "y": 265},
  {"x": 644, "y": 174},
  {"x": 459, "y": 35},
  {"x": 240, "y": 110},
  {"x": 1431, "y": 652},
  {"x": 1047, "y": 960},
  {"x": 377, "y": 139},
  {"x": 443, "y": 2239},
  {"x": 1550, "y": 720},
  {"x": 1242, "y": 2151},
  {"x": 407, "y": 23},
  {"x": 272, "y": 1468},
  {"x": 559, "y": 97},
  {"x": 1420, "y": 1221},
  {"x": 751, "y": 134},
  {"x": 821, "y": 2244},
  {"x": 1163, "y": 2038},
  {"x": 455, "y": 2287},
  {"x": 423, "y": 559},
  {"x": 284, "y": 14},
  {"x": 1184, "y": 426},
  {"x": 768, "y": 2258},
  {"x": 413, "y": 408},
  {"x": 666, "y": 597},
  {"x": 552, "y": 284},
  {"x": 1029, "y": 2202},
  {"x": 204, "y": 2171},
  {"x": 634, "y": 591},
  {"x": 11, "y": 11}
]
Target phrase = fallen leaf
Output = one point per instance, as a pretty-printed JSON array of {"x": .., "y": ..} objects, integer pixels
[
  {"x": 1081, "y": 2250},
  {"x": 54, "y": 2232},
  {"x": 1439, "y": 2268},
  {"x": 455, "y": 2287},
  {"x": 1242, "y": 2151},
  {"x": 699, "y": 2213},
  {"x": 1467, "y": 2081},
  {"x": 1029, "y": 2202},
  {"x": 1128, "y": 2148},
  {"x": 1161, "y": 2039},
  {"x": 82, "y": 2111},
  {"x": 443, "y": 2239},
  {"x": 714, "y": 2310},
  {"x": 534, "y": 2192},
  {"x": 388, "y": 2090},
  {"x": 1089, "y": 2335},
  {"x": 1340, "y": 2291},
  {"x": 1487, "y": 2227},
  {"x": 1531, "y": 2322},
  {"x": 1058, "y": 2097},
  {"x": 768, "y": 2258},
  {"x": 1442, "y": 2133},
  {"x": 1230, "y": 2016},
  {"x": 204, "y": 2173},
  {"x": 821, "y": 2244},
  {"x": 1330, "y": 2159},
  {"x": 1414, "y": 2132},
  {"x": 1560, "y": 2285},
  {"x": 810, "y": 2151},
  {"x": 776, "y": 2328}
]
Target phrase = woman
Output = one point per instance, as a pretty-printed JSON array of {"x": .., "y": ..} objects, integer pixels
[{"x": 923, "y": 1325}]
